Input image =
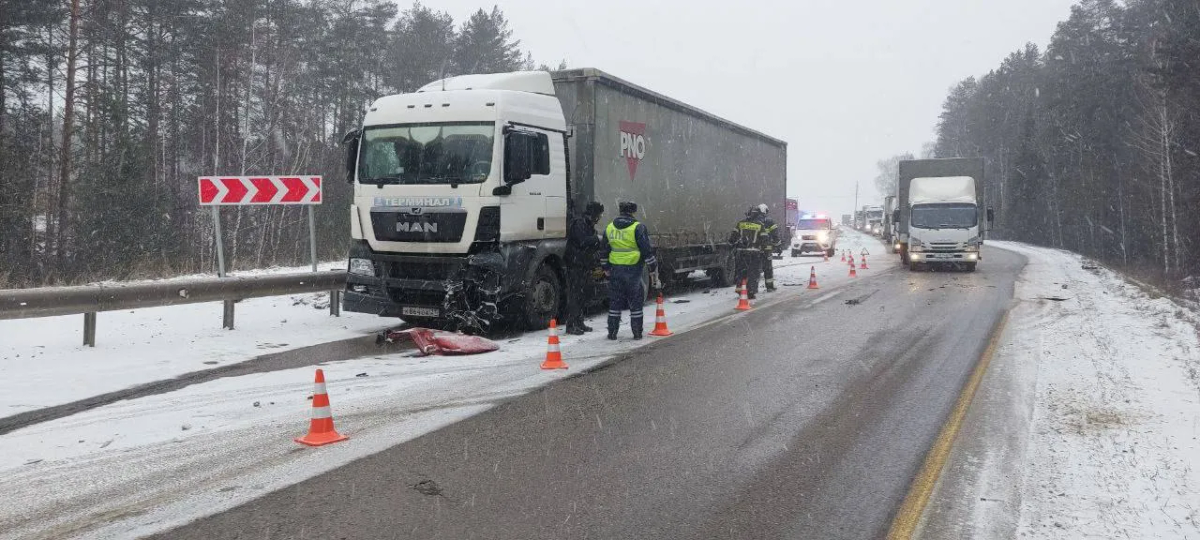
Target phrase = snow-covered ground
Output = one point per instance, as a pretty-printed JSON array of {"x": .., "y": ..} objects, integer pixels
[
  {"x": 144, "y": 465},
  {"x": 46, "y": 364},
  {"x": 1088, "y": 422}
]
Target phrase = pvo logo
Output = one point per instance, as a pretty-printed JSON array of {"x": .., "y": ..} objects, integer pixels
[{"x": 633, "y": 145}]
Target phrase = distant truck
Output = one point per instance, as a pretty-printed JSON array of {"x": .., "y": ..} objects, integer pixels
[
  {"x": 889, "y": 224},
  {"x": 815, "y": 233},
  {"x": 463, "y": 190},
  {"x": 940, "y": 202},
  {"x": 847, "y": 220},
  {"x": 874, "y": 220},
  {"x": 792, "y": 215}
]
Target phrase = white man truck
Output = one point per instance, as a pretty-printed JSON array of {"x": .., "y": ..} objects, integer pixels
[
  {"x": 940, "y": 206},
  {"x": 463, "y": 190}
]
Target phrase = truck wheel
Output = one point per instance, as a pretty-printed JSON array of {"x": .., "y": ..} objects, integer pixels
[
  {"x": 722, "y": 276},
  {"x": 829, "y": 252},
  {"x": 969, "y": 267},
  {"x": 542, "y": 299}
]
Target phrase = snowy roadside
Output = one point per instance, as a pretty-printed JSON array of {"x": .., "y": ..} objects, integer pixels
[
  {"x": 46, "y": 365},
  {"x": 163, "y": 460},
  {"x": 1087, "y": 424}
]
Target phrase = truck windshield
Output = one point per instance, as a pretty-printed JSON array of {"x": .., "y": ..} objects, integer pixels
[
  {"x": 812, "y": 225},
  {"x": 944, "y": 216},
  {"x": 457, "y": 153}
]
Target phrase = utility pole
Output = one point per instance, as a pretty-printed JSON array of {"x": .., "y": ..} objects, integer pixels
[{"x": 854, "y": 211}]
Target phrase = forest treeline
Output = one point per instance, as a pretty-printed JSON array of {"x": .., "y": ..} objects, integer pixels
[
  {"x": 1093, "y": 144},
  {"x": 110, "y": 110}
]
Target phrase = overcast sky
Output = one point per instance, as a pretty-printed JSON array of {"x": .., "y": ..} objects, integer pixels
[{"x": 844, "y": 82}]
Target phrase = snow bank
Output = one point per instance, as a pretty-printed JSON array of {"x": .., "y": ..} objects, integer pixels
[{"x": 1112, "y": 444}]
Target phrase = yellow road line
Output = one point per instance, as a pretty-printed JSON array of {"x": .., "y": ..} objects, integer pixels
[{"x": 905, "y": 523}]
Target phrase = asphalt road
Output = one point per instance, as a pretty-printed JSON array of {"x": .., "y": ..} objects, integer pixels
[{"x": 794, "y": 420}]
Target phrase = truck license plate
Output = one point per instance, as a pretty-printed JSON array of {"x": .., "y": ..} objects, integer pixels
[{"x": 420, "y": 311}]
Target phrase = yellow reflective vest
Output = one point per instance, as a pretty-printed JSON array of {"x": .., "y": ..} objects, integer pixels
[{"x": 622, "y": 243}]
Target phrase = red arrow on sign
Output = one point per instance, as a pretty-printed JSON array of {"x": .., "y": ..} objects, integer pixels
[
  {"x": 295, "y": 189},
  {"x": 208, "y": 191},
  {"x": 259, "y": 190},
  {"x": 266, "y": 190},
  {"x": 237, "y": 190}
]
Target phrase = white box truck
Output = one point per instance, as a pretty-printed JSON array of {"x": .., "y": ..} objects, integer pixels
[
  {"x": 463, "y": 190},
  {"x": 940, "y": 205}
]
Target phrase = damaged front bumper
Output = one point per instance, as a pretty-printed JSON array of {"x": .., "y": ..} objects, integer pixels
[{"x": 465, "y": 291}]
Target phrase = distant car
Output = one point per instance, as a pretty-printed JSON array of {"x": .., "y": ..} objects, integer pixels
[{"x": 814, "y": 235}]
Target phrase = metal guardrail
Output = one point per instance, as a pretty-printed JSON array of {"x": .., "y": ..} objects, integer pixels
[{"x": 92, "y": 299}]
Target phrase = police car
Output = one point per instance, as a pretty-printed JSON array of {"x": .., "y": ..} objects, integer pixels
[{"x": 815, "y": 233}]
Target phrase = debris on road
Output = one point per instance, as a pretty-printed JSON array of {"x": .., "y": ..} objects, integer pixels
[{"x": 438, "y": 342}]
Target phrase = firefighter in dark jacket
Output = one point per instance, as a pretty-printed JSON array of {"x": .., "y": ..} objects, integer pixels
[
  {"x": 583, "y": 243},
  {"x": 626, "y": 251},
  {"x": 771, "y": 229},
  {"x": 748, "y": 238}
]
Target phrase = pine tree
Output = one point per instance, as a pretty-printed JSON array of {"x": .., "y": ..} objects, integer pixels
[{"x": 485, "y": 45}]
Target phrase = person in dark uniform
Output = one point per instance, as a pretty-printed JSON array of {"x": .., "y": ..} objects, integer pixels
[
  {"x": 747, "y": 239},
  {"x": 583, "y": 243},
  {"x": 626, "y": 251},
  {"x": 771, "y": 229}
]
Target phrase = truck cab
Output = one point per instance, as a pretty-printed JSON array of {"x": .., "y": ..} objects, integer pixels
[
  {"x": 465, "y": 177},
  {"x": 814, "y": 234},
  {"x": 874, "y": 220}
]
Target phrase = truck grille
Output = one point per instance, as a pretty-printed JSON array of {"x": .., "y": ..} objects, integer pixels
[
  {"x": 432, "y": 271},
  {"x": 427, "y": 226},
  {"x": 945, "y": 246}
]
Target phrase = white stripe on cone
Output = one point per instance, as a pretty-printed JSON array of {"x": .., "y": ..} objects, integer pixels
[
  {"x": 322, "y": 412},
  {"x": 319, "y": 388}
]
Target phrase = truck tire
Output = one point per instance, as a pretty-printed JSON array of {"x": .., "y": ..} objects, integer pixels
[
  {"x": 543, "y": 298},
  {"x": 722, "y": 276},
  {"x": 829, "y": 252},
  {"x": 969, "y": 267}
]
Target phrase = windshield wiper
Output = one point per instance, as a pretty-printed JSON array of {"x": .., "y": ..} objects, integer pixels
[
  {"x": 382, "y": 180},
  {"x": 454, "y": 181}
]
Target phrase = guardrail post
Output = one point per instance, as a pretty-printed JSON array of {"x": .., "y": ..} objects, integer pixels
[
  {"x": 335, "y": 302},
  {"x": 227, "y": 316},
  {"x": 89, "y": 329}
]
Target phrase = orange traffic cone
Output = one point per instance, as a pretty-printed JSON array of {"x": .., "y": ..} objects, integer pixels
[
  {"x": 852, "y": 272},
  {"x": 864, "y": 263},
  {"x": 553, "y": 355},
  {"x": 843, "y": 255},
  {"x": 743, "y": 300},
  {"x": 320, "y": 428},
  {"x": 660, "y": 321},
  {"x": 825, "y": 254},
  {"x": 812, "y": 278}
]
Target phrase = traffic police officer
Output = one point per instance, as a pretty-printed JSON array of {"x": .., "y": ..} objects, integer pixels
[
  {"x": 747, "y": 239},
  {"x": 627, "y": 251},
  {"x": 582, "y": 245},
  {"x": 771, "y": 229}
]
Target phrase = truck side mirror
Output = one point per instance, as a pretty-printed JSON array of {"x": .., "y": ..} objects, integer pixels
[
  {"x": 351, "y": 142},
  {"x": 518, "y": 156}
]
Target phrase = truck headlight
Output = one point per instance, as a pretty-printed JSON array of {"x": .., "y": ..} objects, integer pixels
[
  {"x": 915, "y": 248},
  {"x": 362, "y": 267},
  {"x": 971, "y": 248}
]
